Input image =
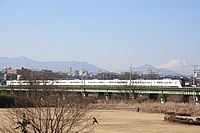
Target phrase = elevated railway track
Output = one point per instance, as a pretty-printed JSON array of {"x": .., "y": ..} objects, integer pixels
[{"x": 110, "y": 89}]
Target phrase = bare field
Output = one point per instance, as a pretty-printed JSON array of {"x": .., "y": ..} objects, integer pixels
[
  {"x": 118, "y": 121},
  {"x": 123, "y": 121}
]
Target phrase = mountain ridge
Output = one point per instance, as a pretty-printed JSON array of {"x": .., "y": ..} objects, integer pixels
[
  {"x": 173, "y": 67},
  {"x": 22, "y": 61},
  {"x": 161, "y": 71}
]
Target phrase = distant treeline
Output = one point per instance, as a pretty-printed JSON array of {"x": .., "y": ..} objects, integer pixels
[{"x": 11, "y": 100}]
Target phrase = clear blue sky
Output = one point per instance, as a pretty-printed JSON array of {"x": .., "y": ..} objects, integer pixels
[{"x": 111, "y": 34}]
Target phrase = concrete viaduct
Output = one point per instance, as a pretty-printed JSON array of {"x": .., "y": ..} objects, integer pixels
[{"x": 129, "y": 92}]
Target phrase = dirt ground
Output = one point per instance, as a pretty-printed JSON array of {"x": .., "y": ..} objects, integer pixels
[
  {"x": 117, "y": 121},
  {"x": 121, "y": 121}
]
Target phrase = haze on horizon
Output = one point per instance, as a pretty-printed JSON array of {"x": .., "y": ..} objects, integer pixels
[{"x": 111, "y": 34}]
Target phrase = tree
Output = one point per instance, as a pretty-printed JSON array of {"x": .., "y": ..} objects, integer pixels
[{"x": 50, "y": 111}]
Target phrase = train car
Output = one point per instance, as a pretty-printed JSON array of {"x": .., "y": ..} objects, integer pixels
[
  {"x": 116, "y": 82},
  {"x": 167, "y": 83},
  {"x": 141, "y": 82},
  {"x": 158, "y": 83},
  {"x": 12, "y": 82},
  {"x": 95, "y": 82},
  {"x": 59, "y": 82}
]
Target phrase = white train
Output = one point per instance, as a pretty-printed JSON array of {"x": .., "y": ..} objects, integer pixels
[{"x": 96, "y": 82}]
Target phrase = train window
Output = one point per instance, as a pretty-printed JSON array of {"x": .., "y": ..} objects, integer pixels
[{"x": 76, "y": 82}]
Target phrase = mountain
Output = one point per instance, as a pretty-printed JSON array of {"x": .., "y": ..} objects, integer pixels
[
  {"x": 18, "y": 62},
  {"x": 178, "y": 65},
  {"x": 144, "y": 68},
  {"x": 161, "y": 71},
  {"x": 175, "y": 67}
]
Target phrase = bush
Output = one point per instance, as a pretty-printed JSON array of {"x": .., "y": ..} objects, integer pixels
[
  {"x": 7, "y": 100},
  {"x": 11, "y": 100}
]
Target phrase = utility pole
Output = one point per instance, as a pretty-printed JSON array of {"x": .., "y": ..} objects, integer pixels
[
  {"x": 194, "y": 83},
  {"x": 131, "y": 67},
  {"x": 83, "y": 76},
  {"x": 194, "y": 74}
]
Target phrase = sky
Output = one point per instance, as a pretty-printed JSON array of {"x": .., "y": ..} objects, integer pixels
[{"x": 111, "y": 34}]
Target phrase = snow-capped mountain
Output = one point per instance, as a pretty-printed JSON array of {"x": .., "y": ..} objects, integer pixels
[{"x": 179, "y": 65}]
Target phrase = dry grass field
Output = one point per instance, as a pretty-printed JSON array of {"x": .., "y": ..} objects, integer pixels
[
  {"x": 126, "y": 121},
  {"x": 120, "y": 121},
  {"x": 123, "y": 118}
]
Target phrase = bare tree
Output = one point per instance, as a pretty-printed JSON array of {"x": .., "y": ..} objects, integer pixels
[
  {"x": 47, "y": 110},
  {"x": 51, "y": 112}
]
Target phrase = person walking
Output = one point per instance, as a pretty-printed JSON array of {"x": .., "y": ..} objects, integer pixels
[
  {"x": 138, "y": 109},
  {"x": 95, "y": 121}
]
